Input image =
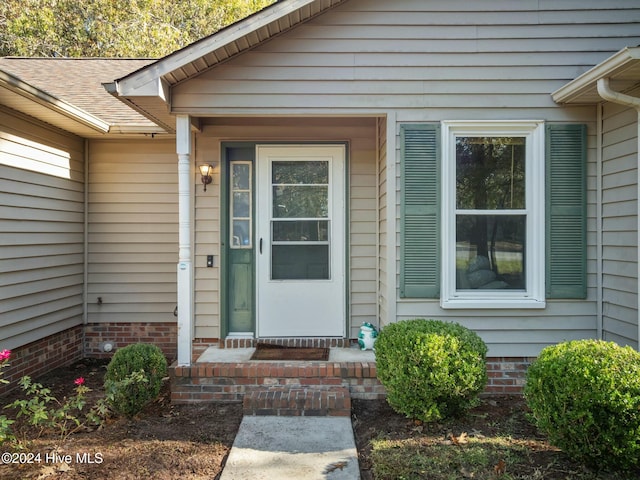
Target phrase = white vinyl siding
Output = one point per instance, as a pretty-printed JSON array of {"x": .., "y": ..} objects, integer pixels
[
  {"x": 619, "y": 222},
  {"x": 41, "y": 230},
  {"x": 361, "y": 156},
  {"x": 133, "y": 234},
  {"x": 383, "y": 224},
  {"x": 428, "y": 62}
]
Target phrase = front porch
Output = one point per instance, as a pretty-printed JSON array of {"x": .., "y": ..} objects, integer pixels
[{"x": 299, "y": 388}]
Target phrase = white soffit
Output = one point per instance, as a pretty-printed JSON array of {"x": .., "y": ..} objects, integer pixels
[{"x": 622, "y": 68}]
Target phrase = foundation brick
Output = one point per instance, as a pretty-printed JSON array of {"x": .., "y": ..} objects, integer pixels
[
  {"x": 39, "y": 357},
  {"x": 164, "y": 335}
]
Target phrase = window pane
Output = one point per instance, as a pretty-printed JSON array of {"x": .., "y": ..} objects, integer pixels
[
  {"x": 300, "y": 202},
  {"x": 241, "y": 204},
  {"x": 490, "y": 173},
  {"x": 300, "y": 262},
  {"x": 301, "y": 231},
  {"x": 307, "y": 172},
  {"x": 241, "y": 176},
  {"x": 241, "y": 233},
  {"x": 490, "y": 252}
]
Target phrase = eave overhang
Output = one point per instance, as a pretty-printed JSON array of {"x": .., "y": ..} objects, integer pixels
[
  {"x": 622, "y": 69},
  {"x": 29, "y": 100}
]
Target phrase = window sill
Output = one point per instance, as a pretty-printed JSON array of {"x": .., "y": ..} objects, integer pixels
[{"x": 493, "y": 303}]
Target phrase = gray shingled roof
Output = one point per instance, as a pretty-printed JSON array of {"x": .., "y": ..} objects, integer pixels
[{"x": 78, "y": 81}]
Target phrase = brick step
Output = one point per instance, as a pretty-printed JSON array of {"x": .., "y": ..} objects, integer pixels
[{"x": 298, "y": 400}]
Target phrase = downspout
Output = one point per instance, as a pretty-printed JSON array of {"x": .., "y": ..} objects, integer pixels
[
  {"x": 599, "y": 221},
  {"x": 604, "y": 90},
  {"x": 85, "y": 267},
  {"x": 185, "y": 281},
  {"x": 378, "y": 155}
]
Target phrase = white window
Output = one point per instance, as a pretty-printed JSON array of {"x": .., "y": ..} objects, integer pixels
[{"x": 493, "y": 215}]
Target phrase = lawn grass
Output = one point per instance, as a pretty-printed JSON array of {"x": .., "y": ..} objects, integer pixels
[
  {"x": 471, "y": 457},
  {"x": 495, "y": 441}
]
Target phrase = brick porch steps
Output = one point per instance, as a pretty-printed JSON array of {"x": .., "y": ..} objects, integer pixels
[
  {"x": 298, "y": 400},
  {"x": 236, "y": 381}
]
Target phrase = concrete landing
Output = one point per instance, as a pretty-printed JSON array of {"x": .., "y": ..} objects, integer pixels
[{"x": 293, "y": 448}]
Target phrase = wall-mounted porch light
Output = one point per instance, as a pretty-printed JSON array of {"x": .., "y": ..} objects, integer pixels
[{"x": 205, "y": 171}]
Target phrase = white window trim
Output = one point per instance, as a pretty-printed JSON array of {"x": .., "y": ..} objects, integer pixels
[{"x": 534, "y": 295}]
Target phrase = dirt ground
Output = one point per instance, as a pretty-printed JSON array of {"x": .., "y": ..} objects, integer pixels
[
  {"x": 192, "y": 441},
  {"x": 165, "y": 441}
]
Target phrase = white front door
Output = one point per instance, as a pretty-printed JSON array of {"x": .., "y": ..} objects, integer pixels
[{"x": 301, "y": 241}]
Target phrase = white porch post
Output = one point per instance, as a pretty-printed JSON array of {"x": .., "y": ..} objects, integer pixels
[{"x": 185, "y": 261}]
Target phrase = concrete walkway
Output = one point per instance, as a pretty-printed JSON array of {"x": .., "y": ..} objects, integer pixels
[{"x": 293, "y": 448}]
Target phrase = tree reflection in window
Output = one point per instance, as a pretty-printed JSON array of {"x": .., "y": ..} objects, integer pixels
[{"x": 490, "y": 212}]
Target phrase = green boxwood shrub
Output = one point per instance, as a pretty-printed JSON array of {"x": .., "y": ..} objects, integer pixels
[
  {"x": 585, "y": 395},
  {"x": 430, "y": 369},
  {"x": 134, "y": 377}
]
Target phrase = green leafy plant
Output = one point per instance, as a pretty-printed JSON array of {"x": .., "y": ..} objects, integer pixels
[
  {"x": 46, "y": 412},
  {"x": 430, "y": 369},
  {"x": 134, "y": 377},
  {"x": 585, "y": 395}
]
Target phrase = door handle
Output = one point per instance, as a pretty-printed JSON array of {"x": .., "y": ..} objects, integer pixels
[{"x": 260, "y": 246}]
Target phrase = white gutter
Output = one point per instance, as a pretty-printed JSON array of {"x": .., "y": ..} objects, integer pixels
[
  {"x": 604, "y": 90},
  {"x": 616, "y": 64},
  {"x": 36, "y": 95}
]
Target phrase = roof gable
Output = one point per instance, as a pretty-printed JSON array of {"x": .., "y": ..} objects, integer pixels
[
  {"x": 147, "y": 89},
  {"x": 226, "y": 43}
]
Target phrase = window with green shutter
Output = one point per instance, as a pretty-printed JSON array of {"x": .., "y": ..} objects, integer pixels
[{"x": 493, "y": 213}]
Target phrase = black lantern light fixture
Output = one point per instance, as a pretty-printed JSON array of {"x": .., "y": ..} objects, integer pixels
[{"x": 205, "y": 171}]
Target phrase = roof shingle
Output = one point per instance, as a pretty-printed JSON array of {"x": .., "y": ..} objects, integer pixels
[{"x": 78, "y": 81}]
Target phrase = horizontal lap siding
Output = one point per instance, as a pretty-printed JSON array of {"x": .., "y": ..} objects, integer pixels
[
  {"x": 362, "y": 230},
  {"x": 133, "y": 233},
  {"x": 429, "y": 61},
  {"x": 620, "y": 237},
  {"x": 207, "y": 234},
  {"x": 361, "y": 135},
  {"x": 383, "y": 223},
  {"x": 41, "y": 230},
  {"x": 515, "y": 332}
]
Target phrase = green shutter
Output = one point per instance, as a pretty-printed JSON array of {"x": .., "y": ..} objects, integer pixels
[
  {"x": 566, "y": 241},
  {"x": 420, "y": 211}
]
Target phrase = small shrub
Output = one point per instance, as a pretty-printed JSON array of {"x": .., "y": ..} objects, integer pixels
[
  {"x": 585, "y": 395},
  {"x": 134, "y": 377},
  {"x": 430, "y": 369}
]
